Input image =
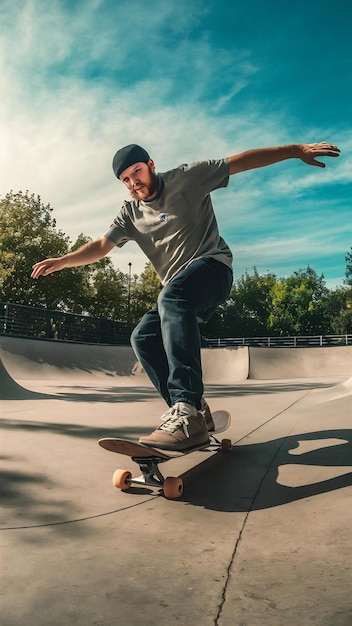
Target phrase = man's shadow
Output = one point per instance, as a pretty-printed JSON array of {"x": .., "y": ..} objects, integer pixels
[{"x": 253, "y": 476}]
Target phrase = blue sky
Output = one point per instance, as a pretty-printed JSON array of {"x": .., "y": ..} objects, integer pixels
[{"x": 188, "y": 80}]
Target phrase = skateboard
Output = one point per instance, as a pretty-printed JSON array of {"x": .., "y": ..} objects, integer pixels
[{"x": 149, "y": 459}]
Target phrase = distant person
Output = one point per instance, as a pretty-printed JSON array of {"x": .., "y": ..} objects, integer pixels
[{"x": 171, "y": 218}]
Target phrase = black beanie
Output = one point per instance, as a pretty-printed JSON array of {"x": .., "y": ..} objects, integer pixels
[{"x": 127, "y": 156}]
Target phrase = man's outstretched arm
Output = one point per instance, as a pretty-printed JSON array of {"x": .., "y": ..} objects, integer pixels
[
  {"x": 89, "y": 253},
  {"x": 261, "y": 157}
]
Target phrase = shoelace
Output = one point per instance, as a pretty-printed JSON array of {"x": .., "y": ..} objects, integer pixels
[{"x": 174, "y": 419}]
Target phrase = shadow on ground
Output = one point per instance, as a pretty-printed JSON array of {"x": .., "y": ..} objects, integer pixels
[
  {"x": 247, "y": 478},
  {"x": 84, "y": 393},
  {"x": 244, "y": 480}
]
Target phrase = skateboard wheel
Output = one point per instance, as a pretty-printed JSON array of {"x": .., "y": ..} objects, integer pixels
[
  {"x": 122, "y": 479},
  {"x": 226, "y": 445},
  {"x": 173, "y": 488}
]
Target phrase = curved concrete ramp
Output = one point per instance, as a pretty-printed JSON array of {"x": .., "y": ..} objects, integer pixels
[
  {"x": 9, "y": 389},
  {"x": 274, "y": 363},
  {"x": 45, "y": 360},
  {"x": 36, "y": 360},
  {"x": 33, "y": 360},
  {"x": 225, "y": 366}
]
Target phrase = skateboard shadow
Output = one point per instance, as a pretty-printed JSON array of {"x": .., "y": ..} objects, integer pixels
[{"x": 268, "y": 474}]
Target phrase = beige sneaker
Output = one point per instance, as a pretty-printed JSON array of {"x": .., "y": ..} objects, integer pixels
[
  {"x": 205, "y": 411},
  {"x": 182, "y": 428}
]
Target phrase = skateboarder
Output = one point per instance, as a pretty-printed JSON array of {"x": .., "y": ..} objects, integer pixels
[{"x": 171, "y": 217}]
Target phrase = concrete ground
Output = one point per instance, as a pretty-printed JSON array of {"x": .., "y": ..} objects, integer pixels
[{"x": 260, "y": 537}]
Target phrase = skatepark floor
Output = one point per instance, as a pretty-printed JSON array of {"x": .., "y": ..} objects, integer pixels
[{"x": 260, "y": 537}]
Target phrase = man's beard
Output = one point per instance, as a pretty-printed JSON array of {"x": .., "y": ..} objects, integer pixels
[{"x": 151, "y": 185}]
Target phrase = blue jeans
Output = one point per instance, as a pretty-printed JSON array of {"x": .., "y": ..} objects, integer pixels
[{"x": 167, "y": 339}]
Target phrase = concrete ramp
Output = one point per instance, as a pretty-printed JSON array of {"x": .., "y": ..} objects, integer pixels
[
  {"x": 225, "y": 366},
  {"x": 276, "y": 363},
  {"x": 9, "y": 389},
  {"x": 45, "y": 360},
  {"x": 33, "y": 359}
]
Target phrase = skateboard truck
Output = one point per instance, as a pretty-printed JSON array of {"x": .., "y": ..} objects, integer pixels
[{"x": 151, "y": 475}]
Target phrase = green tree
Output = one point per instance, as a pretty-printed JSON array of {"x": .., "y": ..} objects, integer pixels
[
  {"x": 86, "y": 280},
  {"x": 144, "y": 292},
  {"x": 246, "y": 311},
  {"x": 27, "y": 233},
  {"x": 337, "y": 307},
  {"x": 109, "y": 299},
  {"x": 348, "y": 274},
  {"x": 296, "y": 307},
  {"x": 338, "y": 303},
  {"x": 252, "y": 295}
]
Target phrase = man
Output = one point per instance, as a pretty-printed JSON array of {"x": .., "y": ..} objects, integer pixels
[{"x": 171, "y": 217}]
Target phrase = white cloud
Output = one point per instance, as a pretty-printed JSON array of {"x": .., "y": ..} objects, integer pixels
[
  {"x": 287, "y": 255},
  {"x": 60, "y": 127}
]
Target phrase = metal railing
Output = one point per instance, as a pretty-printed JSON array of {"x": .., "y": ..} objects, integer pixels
[
  {"x": 281, "y": 342},
  {"x": 26, "y": 321}
]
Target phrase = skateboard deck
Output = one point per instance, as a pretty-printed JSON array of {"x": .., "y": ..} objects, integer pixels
[{"x": 149, "y": 458}]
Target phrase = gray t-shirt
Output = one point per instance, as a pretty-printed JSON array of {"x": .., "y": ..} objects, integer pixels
[{"x": 179, "y": 226}]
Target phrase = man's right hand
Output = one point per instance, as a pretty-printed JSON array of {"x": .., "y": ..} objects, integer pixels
[
  {"x": 88, "y": 253},
  {"x": 48, "y": 266}
]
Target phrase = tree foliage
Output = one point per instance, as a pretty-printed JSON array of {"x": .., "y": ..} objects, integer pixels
[
  {"x": 27, "y": 229},
  {"x": 348, "y": 274},
  {"x": 296, "y": 304},
  {"x": 145, "y": 291},
  {"x": 258, "y": 305}
]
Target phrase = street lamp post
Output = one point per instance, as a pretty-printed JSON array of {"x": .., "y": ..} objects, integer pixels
[{"x": 129, "y": 293}]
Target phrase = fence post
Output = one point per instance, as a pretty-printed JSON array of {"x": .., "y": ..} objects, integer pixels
[{"x": 6, "y": 307}]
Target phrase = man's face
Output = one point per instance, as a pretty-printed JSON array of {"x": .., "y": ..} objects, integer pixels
[{"x": 141, "y": 180}]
